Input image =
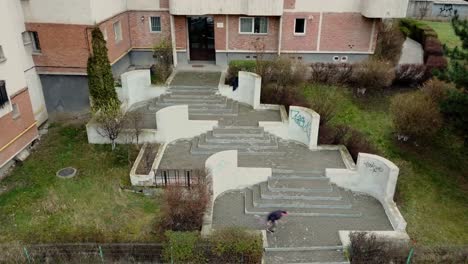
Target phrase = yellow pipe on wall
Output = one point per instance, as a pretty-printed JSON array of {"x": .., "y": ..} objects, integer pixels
[{"x": 17, "y": 137}]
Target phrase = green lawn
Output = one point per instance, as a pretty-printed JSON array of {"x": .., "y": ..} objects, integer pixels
[
  {"x": 432, "y": 192},
  {"x": 39, "y": 207},
  {"x": 445, "y": 33}
]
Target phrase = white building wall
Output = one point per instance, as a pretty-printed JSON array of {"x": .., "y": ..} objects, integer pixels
[
  {"x": 143, "y": 5},
  {"x": 58, "y": 11},
  {"x": 104, "y": 9},
  {"x": 328, "y": 6}
]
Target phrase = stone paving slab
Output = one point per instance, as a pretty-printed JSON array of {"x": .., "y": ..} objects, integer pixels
[{"x": 196, "y": 78}]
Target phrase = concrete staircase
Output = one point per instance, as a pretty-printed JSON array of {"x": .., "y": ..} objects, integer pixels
[
  {"x": 202, "y": 101},
  {"x": 244, "y": 139}
]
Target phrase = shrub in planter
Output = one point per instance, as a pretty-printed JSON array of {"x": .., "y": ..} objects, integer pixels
[
  {"x": 236, "y": 245},
  {"x": 181, "y": 247},
  {"x": 331, "y": 73},
  {"x": 415, "y": 115},
  {"x": 436, "y": 89},
  {"x": 373, "y": 74},
  {"x": 410, "y": 74},
  {"x": 183, "y": 208}
]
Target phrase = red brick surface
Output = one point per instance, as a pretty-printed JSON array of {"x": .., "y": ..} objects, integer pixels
[
  {"x": 141, "y": 36},
  {"x": 239, "y": 41},
  {"x": 10, "y": 128},
  {"x": 307, "y": 42},
  {"x": 117, "y": 49},
  {"x": 289, "y": 4},
  {"x": 180, "y": 26},
  {"x": 220, "y": 33},
  {"x": 345, "y": 32},
  {"x": 164, "y": 3}
]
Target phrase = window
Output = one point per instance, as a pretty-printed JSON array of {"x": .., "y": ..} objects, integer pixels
[
  {"x": 253, "y": 25},
  {"x": 36, "y": 46},
  {"x": 16, "y": 111},
  {"x": 117, "y": 31},
  {"x": 300, "y": 26},
  {"x": 155, "y": 24},
  {"x": 2, "y": 55},
  {"x": 3, "y": 94}
]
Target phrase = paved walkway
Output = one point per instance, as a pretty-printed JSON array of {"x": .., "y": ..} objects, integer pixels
[
  {"x": 412, "y": 53},
  {"x": 318, "y": 209}
]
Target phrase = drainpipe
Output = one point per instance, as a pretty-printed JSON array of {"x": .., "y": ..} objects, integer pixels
[
  {"x": 173, "y": 40},
  {"x": 280, "y": 35}
]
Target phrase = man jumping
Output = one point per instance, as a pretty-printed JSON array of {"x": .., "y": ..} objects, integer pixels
[{"x": 272, "y": 218}]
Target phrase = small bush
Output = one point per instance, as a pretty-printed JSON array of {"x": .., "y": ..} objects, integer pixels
[
  {"x": 455, "y": 109},
  {"x": 436, "y": 90},
  {"x": 389, "y": 43},
  {"x": 357, "y": 142},
  {"x": 324, "y": 102},
  {"x": 410, "y": 74},
  {"x": 183, "y": 209},
  {"x": 373, "y": 74},
  {"x": 236, "y": 245},
  {"x": 285, "y": 72},
  {"x": 365, "y": 248},
  {"x": 331, "y": 73},
  {"x": 240, "y": 65},
  {"x": 332, "y": 135},
  {"x": 162, "y": 52},
  {"x": 181, "y": 247},
  {"x": 435, "y": 63},
  {"x": 287, "y": 96},
  {"x": 432, "y": 46},
  {"x": 415, "y": 115}
]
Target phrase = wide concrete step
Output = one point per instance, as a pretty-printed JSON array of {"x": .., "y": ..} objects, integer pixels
[
  {"x": 191, "y": 95},
  {"x": 300, "y": 185},
  {"x": 201, "y": 143},
  {"x": 329, "y": 255},
  {"x": 229, "y": 107},
  {"x": 238, "y": 132},
  {"x": 266, "y": 193},
  {"x": 206, "y": 100},
  {"x": 234, "y": 139},
  {"x": 192, "y": 88},
  {"x": 298, "y": 174},
  {"x": 292, "y": 212},
  {"x": 194, "y": 149},
  {"x": 258, "y": 201}
]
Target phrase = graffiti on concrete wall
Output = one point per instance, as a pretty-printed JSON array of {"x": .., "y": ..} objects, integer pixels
[
  {"x": 373, "y": 167},
  {"x": 304, "y": 123},
  {"x": 447, "y": 10}
]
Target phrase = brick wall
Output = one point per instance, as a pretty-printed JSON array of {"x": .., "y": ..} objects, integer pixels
[
  {"x": 163, "y": 3},
  {"x": 345, "y": 32},
  {"x": 64, "y": 47},
  {"x": 289, "y": 4},
  {"x": 239, "y": 41},
  {"x": 180, "y": 24},
  {"x": 141, "y": 35},
  {"x": 307, "y": 42},
  {"x": 117, "y": 49},
  {"x": 11, "y": 128},
  {"x": 220, "y": 33}
]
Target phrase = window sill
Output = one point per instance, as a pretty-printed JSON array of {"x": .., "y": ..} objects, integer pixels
[
  {"x": 156, "y": 32},
  {"x": 299, "y": 34},
  {"x": 255, "y": 34}
]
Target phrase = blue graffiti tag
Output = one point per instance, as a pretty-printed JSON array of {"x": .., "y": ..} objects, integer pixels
[{"x": 300, "y": 120}]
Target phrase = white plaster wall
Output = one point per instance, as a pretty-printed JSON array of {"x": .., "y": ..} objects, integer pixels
[
  {"x": 384, "y": 8},
  {"x": 37, "y": 96},
  {"x": 173, "y": 123},
  {"x": 58, "y": 11},
  {"x": 143, "y": 5},
  {"x": 304, "y": 125},
  {"x": 375, "y": 176},
  {"x": 136, "y": 87},
  {"x": 249, "y": 89},
  {"x": 245, "y": 7},
  {"x": 328, "y": 6},
  {"x": 104, "y": 9}
]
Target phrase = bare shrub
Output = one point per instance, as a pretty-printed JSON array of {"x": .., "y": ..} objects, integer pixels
[
  {"x": 183, "y": 208},
  {"x": 110, "y": 119},
  {"x": 357, "y": 142},
  {"x": 373, "y": 74},
  {"x": 331, "y": 73},
  {"x": 274, "y": 94},
  {"x": 410, "y": 74},
  {"x": 324, "y": 102},
  {"x": 236, "y": 245},
  {"x": 333, "y": 135},
  {"x": 134, "y": 121},
  {"x": 415, "y": 115},
  {"x": 437, "y": 90},
  {"x": 389, "y": 43},
  {"x": 366, "y": 248}
]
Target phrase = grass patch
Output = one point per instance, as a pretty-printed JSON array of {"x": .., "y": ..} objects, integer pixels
[
  {"x": 432, "y": 188},
  {"x": 40, "y": 207},
  {"x": 445, "y": 33}
]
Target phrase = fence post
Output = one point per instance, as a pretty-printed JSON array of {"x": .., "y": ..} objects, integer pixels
[
  {"x": 27, "y": 254},
  {"x": 408, "y": 260},
  {"x": 101, "y": 254}
]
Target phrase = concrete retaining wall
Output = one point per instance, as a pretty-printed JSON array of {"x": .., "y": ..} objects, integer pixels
[
  {"x": 249, "y": 89},
  {"x": 142, "y": 179},
  {"x": 225, "y": 175},
  {"x": 136, "y": 87},
  {"x": 375, "y": 176}
]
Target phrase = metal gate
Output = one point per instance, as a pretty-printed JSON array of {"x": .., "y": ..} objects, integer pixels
[{"x": 177, "y": 177}]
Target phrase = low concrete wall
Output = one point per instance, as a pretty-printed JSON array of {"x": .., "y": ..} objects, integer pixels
[
  {"x": 249, "y": 89},
  {"x": 375, "y": 176},
  {"x": 391, "y": 236},
  {"x": 173, "y": 123},
  {"x": 142, "y": 179},
  {"x": 225, "y": 175},
  {"x": 136, "y": 87}
]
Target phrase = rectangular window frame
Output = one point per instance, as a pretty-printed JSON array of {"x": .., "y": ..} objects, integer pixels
[
  {"x": 35, "y": 43},
  {"x": 2, "y": 54},
  {"x": 151, "y": 24},
  {"x": 4, "y": 99},
  {"x": 252, "y": 31},
  {"x": 117, "y": 34},
  {"x": 305, "y": 26}
]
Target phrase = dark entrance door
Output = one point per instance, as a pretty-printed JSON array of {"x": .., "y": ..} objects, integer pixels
[{"x": 201, "y": 38}]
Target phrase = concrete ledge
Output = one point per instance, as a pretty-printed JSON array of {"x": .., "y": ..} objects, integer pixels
[
  {"x": 392, "y": 236},
  {"x": 149, "y": 179}
]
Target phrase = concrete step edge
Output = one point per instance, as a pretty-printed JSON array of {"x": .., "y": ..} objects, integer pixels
[{"x": 337, "y": 248}]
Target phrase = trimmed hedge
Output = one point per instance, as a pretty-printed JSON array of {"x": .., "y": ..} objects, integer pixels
[{"x": 241, "y": 65}]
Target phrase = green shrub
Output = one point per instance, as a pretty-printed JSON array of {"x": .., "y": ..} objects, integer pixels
[
  {"x": 436, "y": 90},
  {"x": 373, "y": 74},
  {"x": 181, "y": 247},
  {"x": 162, "y": 52},
  {"x": 455, "y": 108},
  {"x": 324, "y": 101},
  {"x": 240, "y": 65},
  {"x": 415, "y": 115},
  {"x": 232, "y": 245}
]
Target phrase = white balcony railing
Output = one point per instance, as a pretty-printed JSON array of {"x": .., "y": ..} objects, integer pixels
[
  {"x": 241, "y": 7},
  {"x": 384, "y": 8}
]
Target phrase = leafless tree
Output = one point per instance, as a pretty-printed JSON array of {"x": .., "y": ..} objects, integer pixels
[
  {"x": 135, "y": 122},
  {"x": 423, "y": 8},
  {"x": 110, "y": 119}
]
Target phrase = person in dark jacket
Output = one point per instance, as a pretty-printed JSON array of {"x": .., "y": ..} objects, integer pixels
[{"x": 272, "y": 218}]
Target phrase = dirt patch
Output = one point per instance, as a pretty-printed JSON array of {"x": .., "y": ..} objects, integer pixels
[{"x": 147, "y": 160}]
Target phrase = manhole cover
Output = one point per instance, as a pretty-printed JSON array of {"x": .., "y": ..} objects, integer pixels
[{"x": 68, "y": 172}]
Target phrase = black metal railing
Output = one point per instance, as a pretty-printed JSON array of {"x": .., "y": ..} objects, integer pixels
[{"x": 178, "y": 177}]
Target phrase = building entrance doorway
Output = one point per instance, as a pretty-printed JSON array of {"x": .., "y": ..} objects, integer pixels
[{"x": 201, "y": 38}]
